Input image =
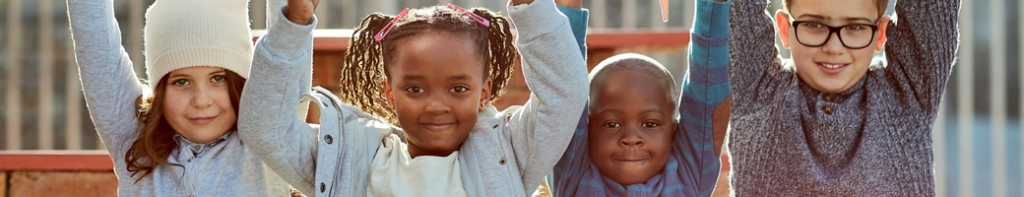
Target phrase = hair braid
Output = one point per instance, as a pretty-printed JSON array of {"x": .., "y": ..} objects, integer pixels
[
  {"x": 362, "y": 75},
  {"x": 503, "y": 53}
]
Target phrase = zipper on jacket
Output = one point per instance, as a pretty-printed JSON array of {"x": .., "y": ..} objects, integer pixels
[{"x": 508, "y": 142}]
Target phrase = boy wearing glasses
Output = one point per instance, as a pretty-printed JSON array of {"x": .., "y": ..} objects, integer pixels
[{"x": 832, "y": 121}]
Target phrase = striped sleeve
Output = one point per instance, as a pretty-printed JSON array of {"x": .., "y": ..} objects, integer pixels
[{"x": 704, "y": 87}]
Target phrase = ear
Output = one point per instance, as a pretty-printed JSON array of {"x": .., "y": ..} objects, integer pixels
[
  {"x": 485, "y": 93},
  {"x": 389, "y": 95},
  {"x": 883, "y": 25},
  {"x": 782, "y": 26}
]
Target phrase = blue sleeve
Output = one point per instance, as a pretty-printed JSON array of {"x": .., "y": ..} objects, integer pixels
[
  {"x": 578, "y": 19},
  {"x": 568, "y": 172},
  {"x": 704, "y": 87}
]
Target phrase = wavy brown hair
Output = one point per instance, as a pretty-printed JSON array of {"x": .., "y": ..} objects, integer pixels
[
  {"x": 367, "y": 60},
  {"x": 156, "y": 140}
]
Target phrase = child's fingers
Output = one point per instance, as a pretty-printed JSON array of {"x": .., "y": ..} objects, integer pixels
[
  {"x": 664, "y": 10},
  {"x": 301, "y": 11}
]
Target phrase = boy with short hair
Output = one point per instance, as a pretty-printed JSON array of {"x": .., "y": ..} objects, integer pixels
[
  {"x": 832, "y": 120},
  {"x": 644, "y": 134}
]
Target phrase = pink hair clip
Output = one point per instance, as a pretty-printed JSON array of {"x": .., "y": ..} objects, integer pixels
[
  {"x": 479, "y": 19},
  {"x": 387, "y": 28}
]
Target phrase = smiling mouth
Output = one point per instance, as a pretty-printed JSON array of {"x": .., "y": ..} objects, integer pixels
[
  {"x": 202, "y": 120},
  {"x": 632, "y": 161},
  {"x": 441, "y": 127},
  {"x": 833, "y": 66}
]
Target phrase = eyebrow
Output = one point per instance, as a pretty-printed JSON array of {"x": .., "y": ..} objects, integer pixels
[
  {"x": 622, "y": 112},
  {"x": 652, "y": 111},
  {"x": 176, "y": 75},
  {"x": 847, "y": 19},
  {"x": 219, "y": 72},
  {"x": 419, "y": 77}
]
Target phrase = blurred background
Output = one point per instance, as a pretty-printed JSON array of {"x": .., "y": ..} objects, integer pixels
[{"x": 977, "y": 137}]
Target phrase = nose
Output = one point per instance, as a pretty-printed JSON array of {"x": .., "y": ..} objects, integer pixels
[
  {"x": 438, "y": 105},
  {"x": 834, "y": 45},
  {"x": 201, "y": 97},
  {"x": 631, "y": 137}
]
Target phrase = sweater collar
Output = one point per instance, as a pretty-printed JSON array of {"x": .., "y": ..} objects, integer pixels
[
  {"x": 813, "y": 95},
  {"x": 197, "y": 148}
]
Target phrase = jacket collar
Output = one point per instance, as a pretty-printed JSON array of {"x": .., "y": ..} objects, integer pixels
[{"x": 197, "y": 148}]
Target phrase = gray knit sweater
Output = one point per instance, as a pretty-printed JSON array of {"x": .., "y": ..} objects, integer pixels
[
  {"x": 873, "y": 139},
  {"x": 224, "y": 167}
]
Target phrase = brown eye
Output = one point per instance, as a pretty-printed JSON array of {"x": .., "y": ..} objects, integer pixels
[
  {"x": 459, "y": 89},
  {"x": 414, "y": 89},
  {"x": 812, "y": 25},
  {"x": 612, "y": 125},
  {"x": 217, "y": 79},
  {"x": 650, "y": 125},
  {"x": 180, "y": 82},
  {"x": 857, "y": 27}
]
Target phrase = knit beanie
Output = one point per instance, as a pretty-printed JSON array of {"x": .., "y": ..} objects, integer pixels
[{"x": 189, "y": 33}]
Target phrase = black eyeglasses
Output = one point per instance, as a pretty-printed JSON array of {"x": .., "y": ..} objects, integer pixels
[{"x": 816, "y": 34}]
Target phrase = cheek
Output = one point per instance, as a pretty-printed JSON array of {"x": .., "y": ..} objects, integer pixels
[
  {"x": 803, "y": 53},
  {"x": 803, "y": 58},
  {"x": 863, "y": 55},
  {"x": 175, "y": 104},
  {"x": 403, "y": 104},
  {"x": 662, "y": 145},
  {"x": 602, "y": 144},
  {"x": 223, "y": 99},
  {"x": 406, "y": 110}
]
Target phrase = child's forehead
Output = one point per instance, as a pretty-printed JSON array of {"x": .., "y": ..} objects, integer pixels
[
  {"x": 633, "y": 84},
  {"x": 835, "y": 10},
  {"x": 626, "y": 78}
]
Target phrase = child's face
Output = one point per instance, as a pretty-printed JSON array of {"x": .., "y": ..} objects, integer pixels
[
  {"x": 197, "y": 104},
  {"x": 437, "y": 88},
  {"x": 630, "y": 127},
  {"x": 838, "y": 63}
]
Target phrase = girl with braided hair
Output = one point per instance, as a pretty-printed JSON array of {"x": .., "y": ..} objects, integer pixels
[{"x": 414, "y": 116}]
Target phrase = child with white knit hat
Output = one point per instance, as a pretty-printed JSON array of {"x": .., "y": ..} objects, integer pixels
[{"x": 175, "y": 136}]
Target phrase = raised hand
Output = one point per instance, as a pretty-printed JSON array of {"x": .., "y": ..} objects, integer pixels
[
  {"x": 570, "y": 3},
  {"x": 520, "y": 2},
  {"x": 300, "y": 11}
]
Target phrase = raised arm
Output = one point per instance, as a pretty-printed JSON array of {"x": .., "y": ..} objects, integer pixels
[
  {"x": 921, "y": 47},
  {"x": 557, "y": 77},
  {"x": 578, "y": 20},
  {"x": 568, "y": 172},
  {"x": 267, "y": 122},
  {"x": 753, "y": 56},
  {"x": 705, "y": 86},
  {"x": 109, "y": 83}
]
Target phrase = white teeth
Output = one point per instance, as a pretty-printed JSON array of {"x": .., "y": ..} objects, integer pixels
[{"x": 833, "y": 66}]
